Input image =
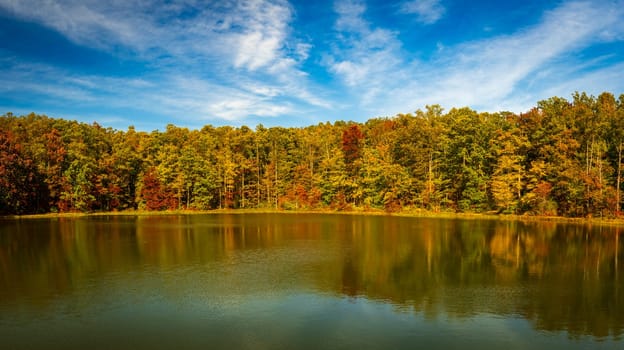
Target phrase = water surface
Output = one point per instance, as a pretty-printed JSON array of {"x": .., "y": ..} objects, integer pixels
[{"x": 267, "y": 281}]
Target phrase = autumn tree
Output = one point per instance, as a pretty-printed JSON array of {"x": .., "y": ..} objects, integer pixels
[
  {"x": 560, "y": 158},
  {"x": 20, "y": 184},
  {"x": 616, "y": 137},
  {"x": 508, "y": 177},
  {"x": 153, "y": 194},
  {"x": 352, "y": 138},
  {"x": 417, "y": 146},
  {"x": 559, "y": 151}
]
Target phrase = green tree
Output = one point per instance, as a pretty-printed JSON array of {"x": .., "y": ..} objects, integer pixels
[
  {"x": 616, "y": 127},
  {"x": 465, "y": 158},
  {"x": 418, "y": 147},
  {"x": 559, "y": 151}
]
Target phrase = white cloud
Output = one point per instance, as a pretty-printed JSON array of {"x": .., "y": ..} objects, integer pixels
[
  {"x": 94, "y": 23},
  {"x": 212, "y": 102},
  {"x": 426, "y": 11},
  {"x": 498, "y": 73},
  {"x": 243, "y": 49},
  {"x": 255, "y": 50},
  {"x": 231, "y": 59},
  {"x": 43, "y": 81},
  {"x": 266, "y": 29},
  {"x": 593, "y": 82},
  {"x": 302, "y": 51},
  {"x": 244, "y": 34},
  {"x": 366, "y": 57},
  {"x": 482, "y": 72},
  {"x": 350, "y": 15}
]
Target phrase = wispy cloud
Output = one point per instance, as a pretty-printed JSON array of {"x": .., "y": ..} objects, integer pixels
[
  {"x": 236, "y": 61},
  {"x": 97, "y": 24},
  {"x": 365, "y": 57},
  {"x": 263, "y": 38},
  {"x": 483, "y": 72},
  {"x": 491, "y": 74},
  {"x": 173, "y": 96},
  {"x": 426, "y": 11},
  {"x": 244, "y": 49}
]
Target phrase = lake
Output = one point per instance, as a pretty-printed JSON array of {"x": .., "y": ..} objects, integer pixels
[{"x": 308, "y": 281}]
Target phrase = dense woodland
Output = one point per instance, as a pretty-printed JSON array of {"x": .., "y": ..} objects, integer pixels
[{"x": 560, "y": 158}]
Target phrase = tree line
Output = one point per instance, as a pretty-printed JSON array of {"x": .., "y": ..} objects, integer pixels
[{"x": 560, "y": 158}]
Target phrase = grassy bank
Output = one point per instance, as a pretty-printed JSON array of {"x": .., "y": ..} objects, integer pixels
[{"x": 410, "y": 213}]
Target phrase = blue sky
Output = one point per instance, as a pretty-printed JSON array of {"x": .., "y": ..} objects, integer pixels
[{"x": 298, "y": 63}]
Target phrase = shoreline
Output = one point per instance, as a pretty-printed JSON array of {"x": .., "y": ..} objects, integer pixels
[{"x": 372, "y": 212}]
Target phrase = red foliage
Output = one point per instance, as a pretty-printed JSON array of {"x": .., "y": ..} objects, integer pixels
[
  {"x": 19, "y": 179},
  {"x": 156, "y": 196},
  {"x": 542, "y": 190},
  {"x": 351, "y": 143},
  {"x": 56, "y": 183}
]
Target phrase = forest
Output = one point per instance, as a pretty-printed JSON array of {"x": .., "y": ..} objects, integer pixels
[{"x": 562, "y": 157}]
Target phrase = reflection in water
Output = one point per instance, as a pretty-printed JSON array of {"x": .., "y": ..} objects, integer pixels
[
  {"x": 563, "y": 277},
  {"x": 558, "y": 277}
]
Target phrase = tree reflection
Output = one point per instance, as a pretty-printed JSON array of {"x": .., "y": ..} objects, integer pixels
[
  {"x": 559, "y": 276},
  {"x": 562, "y": 277}
]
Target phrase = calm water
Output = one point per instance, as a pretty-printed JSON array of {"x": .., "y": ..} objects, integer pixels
[{"x": 294, "y": 281}]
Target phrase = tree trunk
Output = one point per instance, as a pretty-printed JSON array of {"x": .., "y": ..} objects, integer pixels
[
  {"x": 276, "y": 191},
  {"x": 188, "y": 197},
  {"x": 258, "y": 177},
  {"x": 225, "y": 190},
  {"x": 179, "y": 199},
  {"x": 617, "y": 244},
  {"x": 276, "y": 178},
  {"x": 619, "y": 180},
  {"x": 430, "y": 176},
  {"x": 243, "y": 189},
  {"x": 311, "y": 164}
]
